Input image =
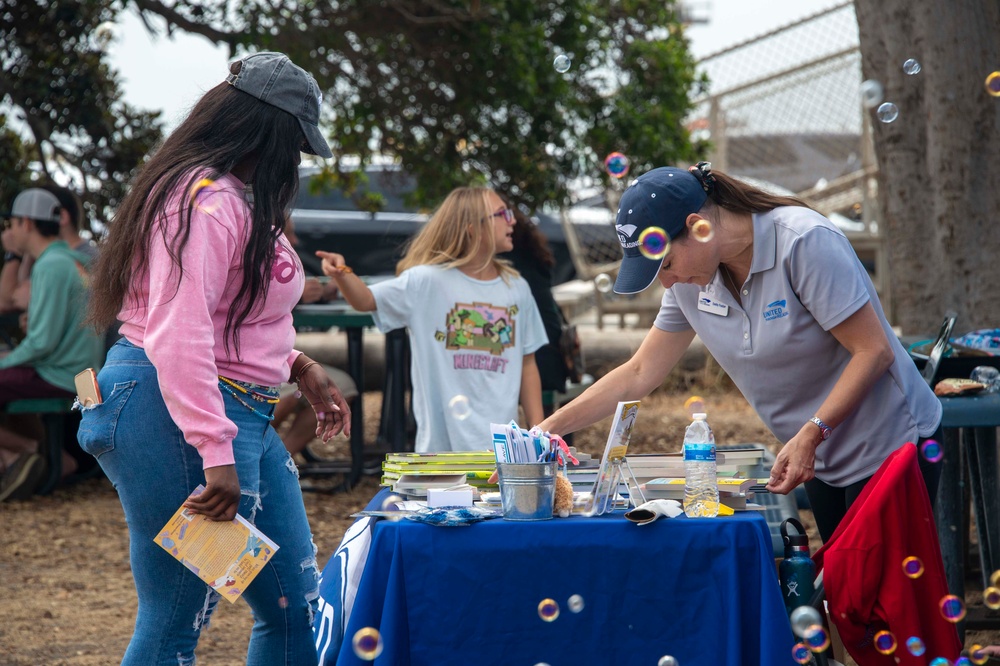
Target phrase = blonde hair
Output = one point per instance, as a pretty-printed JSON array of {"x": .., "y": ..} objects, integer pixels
[{"x": 454, "y": 233}]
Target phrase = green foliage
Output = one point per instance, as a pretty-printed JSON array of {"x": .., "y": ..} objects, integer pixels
[
  {"x": 459, "y": 91},
  {"x": 463, "y": 89},
  {"x": 14, "y": 158},
  {"x": 64, "y": 96}
]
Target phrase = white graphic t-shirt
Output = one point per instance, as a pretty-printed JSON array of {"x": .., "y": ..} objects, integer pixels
[{"x": 468, "y": 339}]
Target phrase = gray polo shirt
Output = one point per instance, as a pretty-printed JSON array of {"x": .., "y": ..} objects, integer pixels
[{"x": 804, "y": 280}]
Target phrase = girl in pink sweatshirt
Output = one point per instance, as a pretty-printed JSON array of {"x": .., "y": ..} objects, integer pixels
[{"x": 203, "y": 281}]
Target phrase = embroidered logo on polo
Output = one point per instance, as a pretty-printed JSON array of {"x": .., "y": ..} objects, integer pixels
[
  {"x": 775, "y": 310},
  {"x": 625, "y": 232}
]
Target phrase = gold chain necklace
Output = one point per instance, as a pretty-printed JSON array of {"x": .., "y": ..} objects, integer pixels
[{"x": 729, "y": 276}]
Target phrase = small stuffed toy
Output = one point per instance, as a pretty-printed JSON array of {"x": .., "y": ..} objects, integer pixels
[{"x": 562, "y": 505}]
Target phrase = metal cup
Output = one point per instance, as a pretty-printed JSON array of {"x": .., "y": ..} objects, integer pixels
[{"x": 527, "y": 490}]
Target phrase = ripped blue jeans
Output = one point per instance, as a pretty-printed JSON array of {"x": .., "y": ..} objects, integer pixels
[{"x": 154, "y": 470}]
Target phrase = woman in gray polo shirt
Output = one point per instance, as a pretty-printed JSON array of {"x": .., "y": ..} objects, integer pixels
[{"x": 782, "y": 302}]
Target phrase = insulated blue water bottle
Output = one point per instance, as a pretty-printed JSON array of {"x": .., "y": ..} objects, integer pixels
[{"x": 797, "y": 571}]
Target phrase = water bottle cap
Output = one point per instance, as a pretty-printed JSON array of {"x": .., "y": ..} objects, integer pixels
[
  {"x": 700, "y": 416},
  {"x": 796, "y": 540}
]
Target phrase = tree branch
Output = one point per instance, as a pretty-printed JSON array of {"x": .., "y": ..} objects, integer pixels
[
  {"x": 447, "y": 14},
  {"x": 178, "y": 20}
]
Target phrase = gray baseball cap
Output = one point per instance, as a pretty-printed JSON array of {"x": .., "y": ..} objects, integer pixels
[
  {"x": 36, "y": 204},
  {"x": 274, "y": 79}
]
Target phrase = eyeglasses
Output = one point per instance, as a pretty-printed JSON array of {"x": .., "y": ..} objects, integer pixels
[{"x": 506, "y": 213}]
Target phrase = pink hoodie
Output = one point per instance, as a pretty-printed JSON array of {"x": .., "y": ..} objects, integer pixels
[{"x": 181, "y": 326}]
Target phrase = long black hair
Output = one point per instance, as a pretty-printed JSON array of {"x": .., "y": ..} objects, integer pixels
[{"x": 226, "y": 128}]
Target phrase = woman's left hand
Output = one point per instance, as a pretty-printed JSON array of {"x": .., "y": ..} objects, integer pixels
[
  {"x": 333, "y": 416},
  {"x": 795, "y": 462}
]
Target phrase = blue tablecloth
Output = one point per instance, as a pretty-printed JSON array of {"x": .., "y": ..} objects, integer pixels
[{"x": 702, "y": 590}]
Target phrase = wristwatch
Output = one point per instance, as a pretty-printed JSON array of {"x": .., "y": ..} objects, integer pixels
[
  {"x": 12, "y": 256},
  {"x": 824, "y": 430}
]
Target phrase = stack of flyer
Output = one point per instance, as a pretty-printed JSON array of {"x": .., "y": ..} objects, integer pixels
[{"x": 415, "y": 473}]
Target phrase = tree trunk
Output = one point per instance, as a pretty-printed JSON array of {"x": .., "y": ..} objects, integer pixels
[{"x": 939, "y": 161}]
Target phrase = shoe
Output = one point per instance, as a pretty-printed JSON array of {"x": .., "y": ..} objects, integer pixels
[{"x": 22, "y": 477}]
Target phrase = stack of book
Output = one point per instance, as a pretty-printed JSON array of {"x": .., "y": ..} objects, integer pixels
[
  {"x": 742, "y": 462},
  {"x": 415, "y": 473},
  {"x": 661, "y": 475}
]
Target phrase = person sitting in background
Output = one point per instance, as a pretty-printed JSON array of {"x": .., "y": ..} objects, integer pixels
[
  {"x": 15, "y": 278},
  {"x": 56, "y": 347}
]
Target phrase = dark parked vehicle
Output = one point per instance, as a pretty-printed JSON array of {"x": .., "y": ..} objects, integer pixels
[{"x": 372, "y": 243}]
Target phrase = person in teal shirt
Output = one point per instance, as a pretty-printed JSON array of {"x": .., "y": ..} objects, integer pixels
[{"x": 57, "y": 345}]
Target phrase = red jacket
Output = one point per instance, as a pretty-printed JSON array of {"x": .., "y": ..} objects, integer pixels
[{"x": 866, "y": 588}]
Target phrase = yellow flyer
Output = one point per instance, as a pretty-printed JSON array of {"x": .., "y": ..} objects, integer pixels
[{"x": 226, "y": 555}]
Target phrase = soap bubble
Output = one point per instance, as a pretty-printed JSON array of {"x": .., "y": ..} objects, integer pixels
[
  {"x": 817, "y": 638},
  {"x": 616, "y": 164},
  {"x": 871, "y": 93},
  {"x": 885, "y": 642},
  {"x": 562, "y": 63},
  {"x": 548, "y": 610},
  {"x": 604, "y": 283},
  {"x": 389, "y": 504},
  {"x": 932, "y": 451},
  {"x": 200, "y": 191},
  {"x": 654, "y": 243},
  {"x": 804, "y": 617},
  {"x": 977, "y": 655},
  {"x": 952, "y": 608},
  {"x": 104, "y": 33},
  {"x": 913, "y": 567},
  {"x": 801, "y": 653},
  {"x": 940, "y": 661},
  {"x": 915, "y": 646},
  {"x": 911, "y": 67},
  {"x": 988, "y": 376},
  {"x": 991, "y": 597},
  {"x": 367, "y": 643},
  {"x": 887, "y": 112},
  {"x": 993, "y": 84},
  {"x": 694, "y": 405},
  {"x": 459, "y": 406},
  {"x": 575, "y": 603},
  {"x": 666, "y": 660},
  {"x": 703, "y": 231}
]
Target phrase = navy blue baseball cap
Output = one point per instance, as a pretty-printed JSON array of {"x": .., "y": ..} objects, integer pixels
[{"x": 663, "y": 198}]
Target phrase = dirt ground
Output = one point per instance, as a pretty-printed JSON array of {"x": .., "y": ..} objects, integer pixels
[{"x": 67, "y": 594}]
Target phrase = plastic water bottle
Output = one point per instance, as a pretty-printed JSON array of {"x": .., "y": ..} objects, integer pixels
[{"x": 701, "y": 486}]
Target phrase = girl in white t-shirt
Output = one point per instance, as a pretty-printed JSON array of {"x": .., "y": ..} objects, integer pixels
[{"x": 474, "y": 326}]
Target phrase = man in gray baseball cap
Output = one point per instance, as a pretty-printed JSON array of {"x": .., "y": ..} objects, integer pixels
[
  {"x": 56, "y": 345},
  {"x": 274, "y": 79},
  {"x": 38, "y": 205}
]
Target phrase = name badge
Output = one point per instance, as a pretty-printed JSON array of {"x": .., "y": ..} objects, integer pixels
[{"x": 708, "y": 304}]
